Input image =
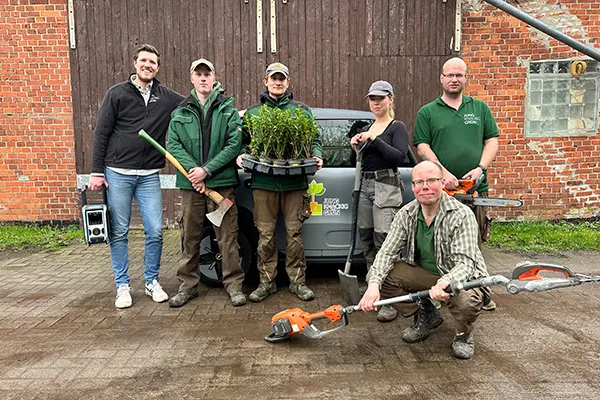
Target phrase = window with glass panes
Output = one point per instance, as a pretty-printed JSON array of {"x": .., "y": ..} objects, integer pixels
[{"x": 560, "y": 104}]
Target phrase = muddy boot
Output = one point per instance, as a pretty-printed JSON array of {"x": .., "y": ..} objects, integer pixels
[
  {"x": 463, "y": 346},
  {"x": 263, "y": 291},
  {"x": 425, "y": 321},
  {"x": 238, "y": 298},
  {"x": 181, "y": 298},
  {"x": 387, "y": 313},
  {"x": 488, "y": 304},
  {"x": 302, "y": 291}
]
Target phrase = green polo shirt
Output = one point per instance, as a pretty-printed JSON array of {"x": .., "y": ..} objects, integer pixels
[
  {"x": 456, "y": 136},
  {"x": 425, "y": 245}
]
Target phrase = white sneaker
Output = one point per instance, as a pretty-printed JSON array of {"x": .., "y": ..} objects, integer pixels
[
  {"x": 123, "y": 299},
  {"x": 156, "y": 292}
]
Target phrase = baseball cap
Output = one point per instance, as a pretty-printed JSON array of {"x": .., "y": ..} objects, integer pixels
[
  {"x": 202, "y": 61},
  {"x": 277, "y": 68},
  {"x": 380, "y": 88}
]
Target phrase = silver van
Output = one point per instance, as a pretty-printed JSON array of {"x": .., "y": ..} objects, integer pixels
[{"x": 327, "y": 232}]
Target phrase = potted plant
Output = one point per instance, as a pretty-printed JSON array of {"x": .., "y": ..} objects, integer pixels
[{"x": 281, "y": 142}]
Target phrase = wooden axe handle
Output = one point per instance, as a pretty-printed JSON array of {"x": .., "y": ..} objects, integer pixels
[{"x": 214, "y": 196}]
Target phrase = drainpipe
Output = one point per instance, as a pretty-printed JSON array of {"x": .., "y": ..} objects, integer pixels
[{"x": 548, "y": 30}]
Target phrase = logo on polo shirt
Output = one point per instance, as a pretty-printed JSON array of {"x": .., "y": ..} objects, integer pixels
[{"x": 471, "y": 119}]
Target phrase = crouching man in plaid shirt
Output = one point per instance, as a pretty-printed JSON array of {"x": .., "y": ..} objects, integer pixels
[{"x": 440, "y": 236}]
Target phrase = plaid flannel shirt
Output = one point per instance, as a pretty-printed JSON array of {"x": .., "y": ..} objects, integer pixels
[{"x": 457, "y": 255}]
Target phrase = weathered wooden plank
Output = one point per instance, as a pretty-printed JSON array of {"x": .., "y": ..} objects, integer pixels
[
  {"x": 234, "y": 84},
  {"x": 261, "y": 60},
  {"x": 343, "y": 71},
  {"x": 248, "y": 51},
  {"x": 283, "y": 33},
  {"x": 326, "y": 59},
  {"x": 91, "y": 98},
  {"x": 217, "y": 34},
  {"x": 123, "y": 60}
]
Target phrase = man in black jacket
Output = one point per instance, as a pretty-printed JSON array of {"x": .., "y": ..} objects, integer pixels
[{"x": 129, "y": 166}]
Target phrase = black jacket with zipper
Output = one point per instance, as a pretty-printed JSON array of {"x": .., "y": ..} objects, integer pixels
[{"x": 122, "y": 115}]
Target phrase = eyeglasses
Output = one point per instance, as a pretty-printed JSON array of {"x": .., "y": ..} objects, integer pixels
[
  {"x": 419, "y": 183},
  {"x": 452, "y": 76}
]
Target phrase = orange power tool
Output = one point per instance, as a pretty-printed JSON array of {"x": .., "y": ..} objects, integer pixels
[
  {"x": 466, "y": 193},
  {"x": 525, "y": 278}
]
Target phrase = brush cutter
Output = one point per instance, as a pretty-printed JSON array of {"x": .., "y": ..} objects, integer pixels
[
  {"x": 349, "y": 283},
  {"x": 525, "y": 278}
]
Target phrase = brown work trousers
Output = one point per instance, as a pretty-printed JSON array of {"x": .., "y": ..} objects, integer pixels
[
  {"x": 483, "y": 221},
  {"x": 404, "y": 279},
  {"x": 295, "y": 207},
  {"x": 194, "y": 207}
]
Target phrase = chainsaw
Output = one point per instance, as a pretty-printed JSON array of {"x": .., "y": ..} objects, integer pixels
[
  {"x": 525, "y": 278},
  {"x": 466, "y": 194}
]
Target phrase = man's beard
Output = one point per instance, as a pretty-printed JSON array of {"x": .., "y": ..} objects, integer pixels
[
  {"x": 454, "y": 92},
  {"x": 141, "y": 79}
]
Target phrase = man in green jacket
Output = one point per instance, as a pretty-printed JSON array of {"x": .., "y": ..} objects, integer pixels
[
  {"x": 280, "y": 193},
  {"x": 205, "y": 137}
]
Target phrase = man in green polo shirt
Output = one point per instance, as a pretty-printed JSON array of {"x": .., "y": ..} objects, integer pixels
[
  {"x": 459, "y": 133},
  {"x": 439, "y": 235}
]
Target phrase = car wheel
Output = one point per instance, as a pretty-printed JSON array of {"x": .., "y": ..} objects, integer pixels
[{"x": 211, "y": 272}]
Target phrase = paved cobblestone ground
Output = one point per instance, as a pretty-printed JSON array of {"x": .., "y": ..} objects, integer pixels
[{"x": 62, "y": 338}]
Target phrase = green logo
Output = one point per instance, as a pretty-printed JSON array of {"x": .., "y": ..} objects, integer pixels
[{"x": 315, "y": 189}]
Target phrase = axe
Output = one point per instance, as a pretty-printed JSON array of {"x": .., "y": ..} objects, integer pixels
[{"x": 216, "y": 217}]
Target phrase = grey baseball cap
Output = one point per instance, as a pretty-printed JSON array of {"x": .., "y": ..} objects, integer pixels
[
  {"x": 201, "y": 61},
  {"x": 380, "y": 88},
  {"x": 277, "y": 68}
]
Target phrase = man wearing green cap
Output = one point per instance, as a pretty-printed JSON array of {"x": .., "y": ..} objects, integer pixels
[
  {"x": 205, "y": 137},
  {"x": 280, "y": 193}
]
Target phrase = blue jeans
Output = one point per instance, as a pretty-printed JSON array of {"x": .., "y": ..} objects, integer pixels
[{"x": 122, "y": 189}]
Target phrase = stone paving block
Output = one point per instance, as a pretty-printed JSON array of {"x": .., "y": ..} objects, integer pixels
[{"x": 9, "y": 385}]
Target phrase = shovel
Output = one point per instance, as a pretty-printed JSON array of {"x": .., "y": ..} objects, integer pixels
[
  {"x": 349, "y": 283},
  {"x": 215, "y": 217}
]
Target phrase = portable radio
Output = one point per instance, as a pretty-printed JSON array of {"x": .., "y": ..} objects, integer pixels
[{"x": 96, "y": 219}]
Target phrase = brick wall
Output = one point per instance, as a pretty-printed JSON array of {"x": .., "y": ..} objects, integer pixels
[
  {"x": 37, "y": 151},
  {"x": 555, "y": 177}
]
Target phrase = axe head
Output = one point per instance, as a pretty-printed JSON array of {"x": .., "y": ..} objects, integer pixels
[{"x": 216, "y": 217}]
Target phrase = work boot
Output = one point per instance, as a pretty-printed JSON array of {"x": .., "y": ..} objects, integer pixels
[
  {"x": 425, "y": 321},
  {"x": 238, "y": 298},
  {"x": 181, "y": 298},
  {"x": 302, "y": 291},
  {"x": 463, "y": 346},
  {"x": 488, "y": 304},
  {"x": 387, "y": 313},
  {"x": 263, "y": 291}
]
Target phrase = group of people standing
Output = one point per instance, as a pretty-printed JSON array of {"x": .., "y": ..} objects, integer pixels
[
  {"x": 206, "y": 135},
  {"x": 427, "y": 244}
]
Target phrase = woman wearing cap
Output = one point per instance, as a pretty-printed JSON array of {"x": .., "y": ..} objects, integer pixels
[{"x": 381, "y": 190}]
